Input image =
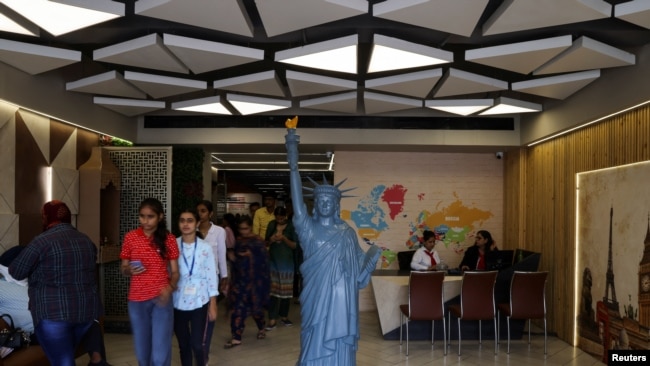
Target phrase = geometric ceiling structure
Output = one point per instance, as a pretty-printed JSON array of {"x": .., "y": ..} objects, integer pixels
[
  {"x": 220, "y": 15},
  {"x": 202, "y": 56},
  {"x": 11, "y": 21},
  {"x": 457, "y": 82},
  {"x": 512, "y": 16},
  {"x": 636, "y": 11},
  {"x": 452, "y": 16},
  {"x": 282, "y": 16},
  {"x": 521, "y": 57},
  {"x": 146, "y": 52},
  {"x": 474, "y": 51},
  {"x": 34, "y": 59},
  {"x": 265, "y": 83},
  {"x": 390, "y": 53},
  {"x": 59, "y": 17},
  {"x": 108, "y": 83},
  {"x": 559, "y": 86},
  {"x": 586, "y": 54},
  {"x": 129, "y": 107},
  {"x": 338, "y": 103},
  {"x": 415, "y": 84},
  {"x": 339, "y": 54},
  {"x": 301, "y": 84},
  {"x": 242, "y": 51},
  {"x": 163, "y": 86},
  {"x": 382, "y": 103}
]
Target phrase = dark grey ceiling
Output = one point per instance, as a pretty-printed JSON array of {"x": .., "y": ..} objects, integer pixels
[{"x": 263, "y": 17}]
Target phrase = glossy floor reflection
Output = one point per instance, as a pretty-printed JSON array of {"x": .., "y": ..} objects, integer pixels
[{"x": 282, "y": 345}]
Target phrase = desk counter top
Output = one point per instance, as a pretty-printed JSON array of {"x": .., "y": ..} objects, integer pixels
[{"x": 391, "y": 290}]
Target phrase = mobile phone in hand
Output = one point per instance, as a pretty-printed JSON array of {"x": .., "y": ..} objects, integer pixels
[{"x": 136, "y": 264}]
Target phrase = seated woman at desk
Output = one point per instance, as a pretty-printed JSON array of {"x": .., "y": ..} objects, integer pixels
[
  {"x": 474, "y": 258},
  {"x": 425, "y": 258}
]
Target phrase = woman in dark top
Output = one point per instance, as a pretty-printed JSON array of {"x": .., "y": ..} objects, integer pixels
[
  {"x": 282, "y": 239},
  {"x": 250, "y": 283},
  {"x": 474, "y": 258}
]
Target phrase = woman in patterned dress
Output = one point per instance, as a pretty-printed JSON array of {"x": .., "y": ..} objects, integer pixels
[
  {"x": 249, "y": 291},
  {"x": 282, "y": 242}
]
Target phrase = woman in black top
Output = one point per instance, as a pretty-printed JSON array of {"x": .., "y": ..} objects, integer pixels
[{"x": 474, "y": 258}]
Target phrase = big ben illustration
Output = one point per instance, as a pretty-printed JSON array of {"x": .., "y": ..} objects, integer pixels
[{"x": 644, "y": 281}]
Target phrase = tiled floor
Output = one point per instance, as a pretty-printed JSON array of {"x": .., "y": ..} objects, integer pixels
[{"x": 282, "y": 346}]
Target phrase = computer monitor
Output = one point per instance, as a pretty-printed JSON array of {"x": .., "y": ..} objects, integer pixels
[
  {"x": 527, "y": 262},
  {"x": 498, "y": 259},
  {"x": 521, "y": 254}
]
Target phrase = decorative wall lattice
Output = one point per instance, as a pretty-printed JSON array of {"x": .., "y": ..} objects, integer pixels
[{"x": 146, "y": 172}]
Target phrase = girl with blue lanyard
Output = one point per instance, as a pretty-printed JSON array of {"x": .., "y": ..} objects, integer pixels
[{"x": 195, "y": 300}]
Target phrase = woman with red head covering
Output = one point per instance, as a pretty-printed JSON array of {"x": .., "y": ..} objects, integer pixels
[{"x": 63, "y": 293}]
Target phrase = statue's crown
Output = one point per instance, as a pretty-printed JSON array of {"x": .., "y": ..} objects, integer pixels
[{"x": 327, "y": 189}]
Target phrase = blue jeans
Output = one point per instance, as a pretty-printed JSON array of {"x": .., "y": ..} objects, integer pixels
[
  {"x": 152, "y": 325},
  {"x": 59, "y": 339}
]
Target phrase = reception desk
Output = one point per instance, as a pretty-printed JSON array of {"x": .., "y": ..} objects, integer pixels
[{"x": 390, "y": 289}]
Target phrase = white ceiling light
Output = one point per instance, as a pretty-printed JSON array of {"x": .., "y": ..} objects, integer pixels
[
  {"x": 463, "y": 107},
  {"x": 394, "y": 54},
  {"x": 251, "y": 105},
  {"x": 509, "y": 106},
  {"x": 204, "y": 105},
  {"x": 10, "y": 21},
  {"x": 338, "y": 54},
  {"x": 63, "y": 16}
]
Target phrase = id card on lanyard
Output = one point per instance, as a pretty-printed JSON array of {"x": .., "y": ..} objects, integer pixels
[{"x": 190, "y": 289}]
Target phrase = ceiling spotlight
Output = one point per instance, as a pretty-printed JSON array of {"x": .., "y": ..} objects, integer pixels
[
  {"x": 63, "y": 16},
  {"x": 394, "y": 54},
  {"x": 338, "y": 54},
  {"x": 463, "y": 107},
  {"x": 205, "y": 105},
  {"x": 251, "y": 105}
]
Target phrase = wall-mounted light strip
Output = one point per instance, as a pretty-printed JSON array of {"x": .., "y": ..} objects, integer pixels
[
  {"x": 576, "y": 262},
  {"x": 48, "y": 184},
  {"x": 331, "y": 162},
  {"x": 588, "y": 123},
  {"x": 275, "y": 162},
  {"x": 271, "y": 169},
  {"x": 59, "y": 119}
]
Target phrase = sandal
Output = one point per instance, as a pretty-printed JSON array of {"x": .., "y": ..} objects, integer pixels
[
  {"x": 261, "y": 334},
  {"x": 230, "y": 344}
]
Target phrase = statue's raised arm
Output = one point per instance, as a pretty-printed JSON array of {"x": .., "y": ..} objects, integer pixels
[{"x": 291, "y": 142}]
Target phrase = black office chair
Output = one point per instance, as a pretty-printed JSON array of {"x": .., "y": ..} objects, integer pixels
[{"x": 404, "y": 260}]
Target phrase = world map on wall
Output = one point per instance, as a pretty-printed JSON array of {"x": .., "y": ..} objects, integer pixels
[{"x": 377, "y": 211}]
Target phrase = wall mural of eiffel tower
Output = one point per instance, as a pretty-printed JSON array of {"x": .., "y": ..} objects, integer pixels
[{"x": 613, "y": 322}]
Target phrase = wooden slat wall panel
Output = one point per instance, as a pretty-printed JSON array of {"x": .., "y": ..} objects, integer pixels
[{"x": 540, "y": 198}]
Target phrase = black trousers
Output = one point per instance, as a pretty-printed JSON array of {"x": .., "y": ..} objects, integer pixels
[{"x": 190, "y": 329}]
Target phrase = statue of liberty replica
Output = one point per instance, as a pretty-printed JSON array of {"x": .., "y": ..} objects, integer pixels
[{"x": 335, "y": 268}]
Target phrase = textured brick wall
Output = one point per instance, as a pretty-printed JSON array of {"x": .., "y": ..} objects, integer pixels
[{"x": 457, "y": 187}]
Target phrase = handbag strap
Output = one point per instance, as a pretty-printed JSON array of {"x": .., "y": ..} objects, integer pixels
[{"x": 11, "y": 320}]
